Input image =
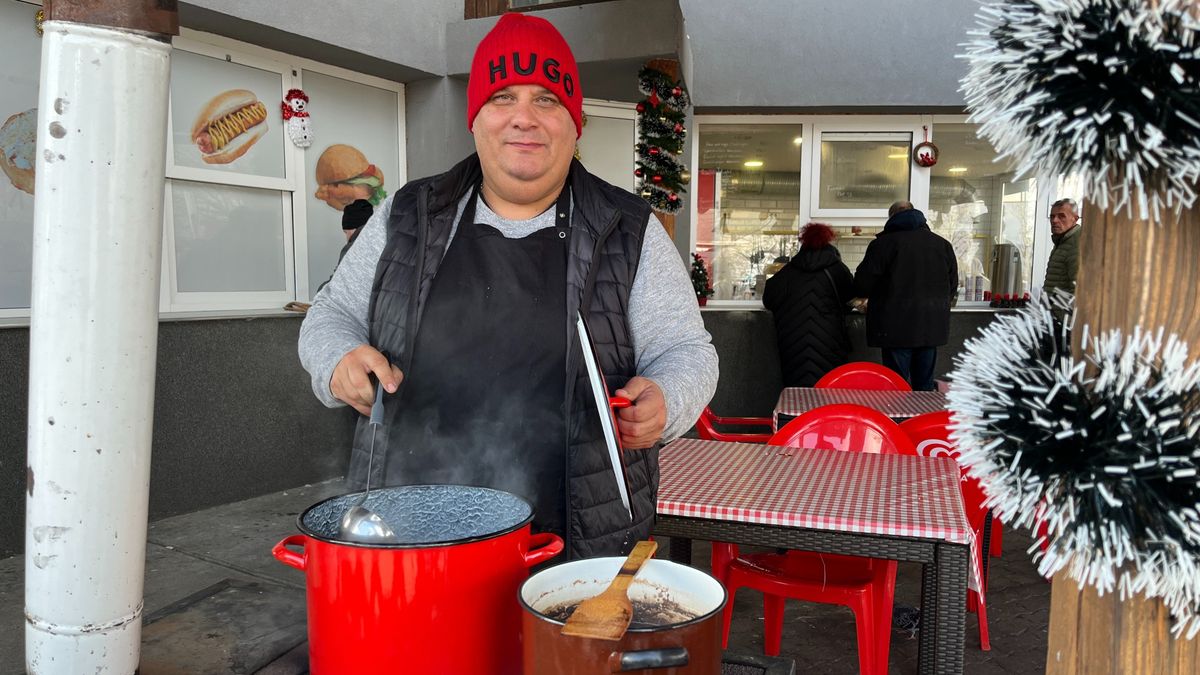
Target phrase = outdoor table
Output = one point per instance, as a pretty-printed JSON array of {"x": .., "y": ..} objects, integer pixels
[
  {"x": 896, "y": 507},
  {"x": 793, "y": 401}
]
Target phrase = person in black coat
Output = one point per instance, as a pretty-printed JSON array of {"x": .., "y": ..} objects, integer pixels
[
  {"x": 909, "y": 276},
  {"x": 808, "y": 298}
]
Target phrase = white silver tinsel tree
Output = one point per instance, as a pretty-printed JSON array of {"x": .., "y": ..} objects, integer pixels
[
  {"x": 1103, "y": 451},
  {"x": 1106, "y": 89}
]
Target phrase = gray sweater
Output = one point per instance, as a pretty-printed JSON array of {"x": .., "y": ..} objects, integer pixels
[{"x": 669, "y": 340}]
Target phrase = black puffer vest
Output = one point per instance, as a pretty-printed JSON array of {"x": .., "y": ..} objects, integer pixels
[{"x": 607, "y": 227}]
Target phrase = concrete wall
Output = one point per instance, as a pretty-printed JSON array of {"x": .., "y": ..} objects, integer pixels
[
  {"x": 406, "y": 38},
  {"x": 14, "y": 411},
  {"x": 750, "y": 374},
  {"x": 234, "y": 417},
  {"x": 749, "y": 54},
  {"x": 837, "y": 55},
  {"x": 436, "y": 120}
]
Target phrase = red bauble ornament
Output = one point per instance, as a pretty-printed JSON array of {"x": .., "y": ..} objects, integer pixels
[
  {"x": 654, "y": 98},
  {"x": 654, "y": 151},
  {"x": 676, "y": 91},
  {"x": 641, "y": 107},
  {"x": 678, "y": 127},
  {"x": 657, "y": 178},
  {"x": 637, "y": 172},
  {"x": 673, "y": 197}
]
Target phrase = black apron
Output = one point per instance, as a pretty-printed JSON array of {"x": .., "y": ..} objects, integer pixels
[{"x": 482, "y": 402}]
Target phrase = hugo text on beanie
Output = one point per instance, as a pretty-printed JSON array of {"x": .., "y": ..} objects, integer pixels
[{"x": 523, "y": 49}]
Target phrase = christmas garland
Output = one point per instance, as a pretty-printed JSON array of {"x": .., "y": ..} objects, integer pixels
[
  {"x": 661, "y": 135},
  {"x": 1106, "y": 89},
  {"x": 1103, "y": 451}
]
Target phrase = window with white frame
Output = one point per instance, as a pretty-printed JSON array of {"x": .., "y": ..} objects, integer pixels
[
  {"x": 985, "y": 210},
  {"x": 357, "y": 154},
  {"x": 230, "y": 182},
  {"x": 20, "y": 59},
  {"x": 251, "y": 221},
  {"x": 760, "y": 178},
  {"x": 747, "y": 200},
  {"x": 861, "y": 173},
  {"x": 845, "y": 171}
]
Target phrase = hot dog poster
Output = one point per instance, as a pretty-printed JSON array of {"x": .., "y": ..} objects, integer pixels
[{"x": 224, "y": 116}]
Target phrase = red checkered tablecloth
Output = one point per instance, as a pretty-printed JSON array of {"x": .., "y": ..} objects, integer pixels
[
  {"x": 899, "y": 495},
  {"x": 794, "y": 401}
]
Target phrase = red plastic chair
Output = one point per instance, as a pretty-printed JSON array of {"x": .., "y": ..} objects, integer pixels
[
  {"x": 865, "y": 585},
  {"x": 706, "y": 428},
  {"x": 863, "y": 375},
  {"x": 930, "y": 434}
]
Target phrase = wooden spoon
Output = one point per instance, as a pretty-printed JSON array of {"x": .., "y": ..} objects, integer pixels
[{"x": 607, "y": 616}]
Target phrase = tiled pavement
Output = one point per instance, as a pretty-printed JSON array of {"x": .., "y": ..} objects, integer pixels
[{"x": 214, "y": 568}]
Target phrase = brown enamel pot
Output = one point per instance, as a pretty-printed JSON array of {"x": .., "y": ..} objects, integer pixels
[{"x": 685, "y": 639}]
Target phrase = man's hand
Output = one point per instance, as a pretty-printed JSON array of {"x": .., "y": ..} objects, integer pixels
[
  {"x": 641, "y": 424},
  {"x": 351, "y": 381}
]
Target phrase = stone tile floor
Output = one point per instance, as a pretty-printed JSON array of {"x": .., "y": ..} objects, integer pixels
[{"x": 217, "y": 602}]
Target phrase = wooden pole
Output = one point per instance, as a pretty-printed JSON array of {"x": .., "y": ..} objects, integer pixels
[
  {"x": 1139, "y": 273},
  {"x": 1132, "y": 273}
]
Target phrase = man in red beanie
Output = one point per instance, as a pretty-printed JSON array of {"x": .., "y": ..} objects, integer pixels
[{"x": 461, "y": 297}]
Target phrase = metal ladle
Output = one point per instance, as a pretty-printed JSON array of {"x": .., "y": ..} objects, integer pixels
[{"x": 360, "y": 524}]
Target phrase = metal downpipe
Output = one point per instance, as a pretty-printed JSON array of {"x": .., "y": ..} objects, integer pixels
[{"x": 93, "y": 341}]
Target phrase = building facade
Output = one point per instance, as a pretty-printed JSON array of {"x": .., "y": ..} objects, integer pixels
[{"x": 802, "y": 111}]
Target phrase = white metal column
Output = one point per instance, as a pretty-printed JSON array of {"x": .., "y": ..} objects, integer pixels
[{"x": 93, "y": 336}]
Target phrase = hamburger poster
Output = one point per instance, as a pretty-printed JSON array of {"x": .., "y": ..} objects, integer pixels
[
  {"x": 344, "y": 175},
  {"x": 221, "y": 116},
  {"x": 355, "y": 155}
]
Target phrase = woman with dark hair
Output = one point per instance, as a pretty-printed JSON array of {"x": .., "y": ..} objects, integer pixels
[{"x": 808, "y": 298}]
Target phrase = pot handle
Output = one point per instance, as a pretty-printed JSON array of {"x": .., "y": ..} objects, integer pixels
[
  {"x": 624, "y": 662},
  {"x": 541, "y": 547},
  {"x": 287, "y": 556}
]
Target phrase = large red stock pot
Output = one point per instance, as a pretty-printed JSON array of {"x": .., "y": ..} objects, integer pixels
[{"x": 442, "y": 601}]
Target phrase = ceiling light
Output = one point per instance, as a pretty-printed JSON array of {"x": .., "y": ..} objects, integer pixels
[
  {"x": 958, "y": 169},
  {"x": 898, "y": 155},
  {"x": 755, "y": 163},
  {"x": 797, "y": 140}
]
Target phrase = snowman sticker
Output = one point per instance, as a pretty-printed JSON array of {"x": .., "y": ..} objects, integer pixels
[{"x": 295, "y": 118}]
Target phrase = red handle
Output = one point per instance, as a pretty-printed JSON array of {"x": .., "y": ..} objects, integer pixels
[
  {"x": 619, "y": 402},
  {"x": 542, "y": 547},
  {"x": 287, "y": 556}
]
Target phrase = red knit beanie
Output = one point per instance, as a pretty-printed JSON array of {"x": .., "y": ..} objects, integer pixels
[{"x": 523, "y": 49}]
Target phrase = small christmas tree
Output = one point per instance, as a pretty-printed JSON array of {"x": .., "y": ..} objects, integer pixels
[{"x": 700, "y": 278}]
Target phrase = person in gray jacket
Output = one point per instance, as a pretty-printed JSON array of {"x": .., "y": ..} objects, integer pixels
[
  {"x": 1063, "y": 265},
  {"x": 460, "y": 296}
]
